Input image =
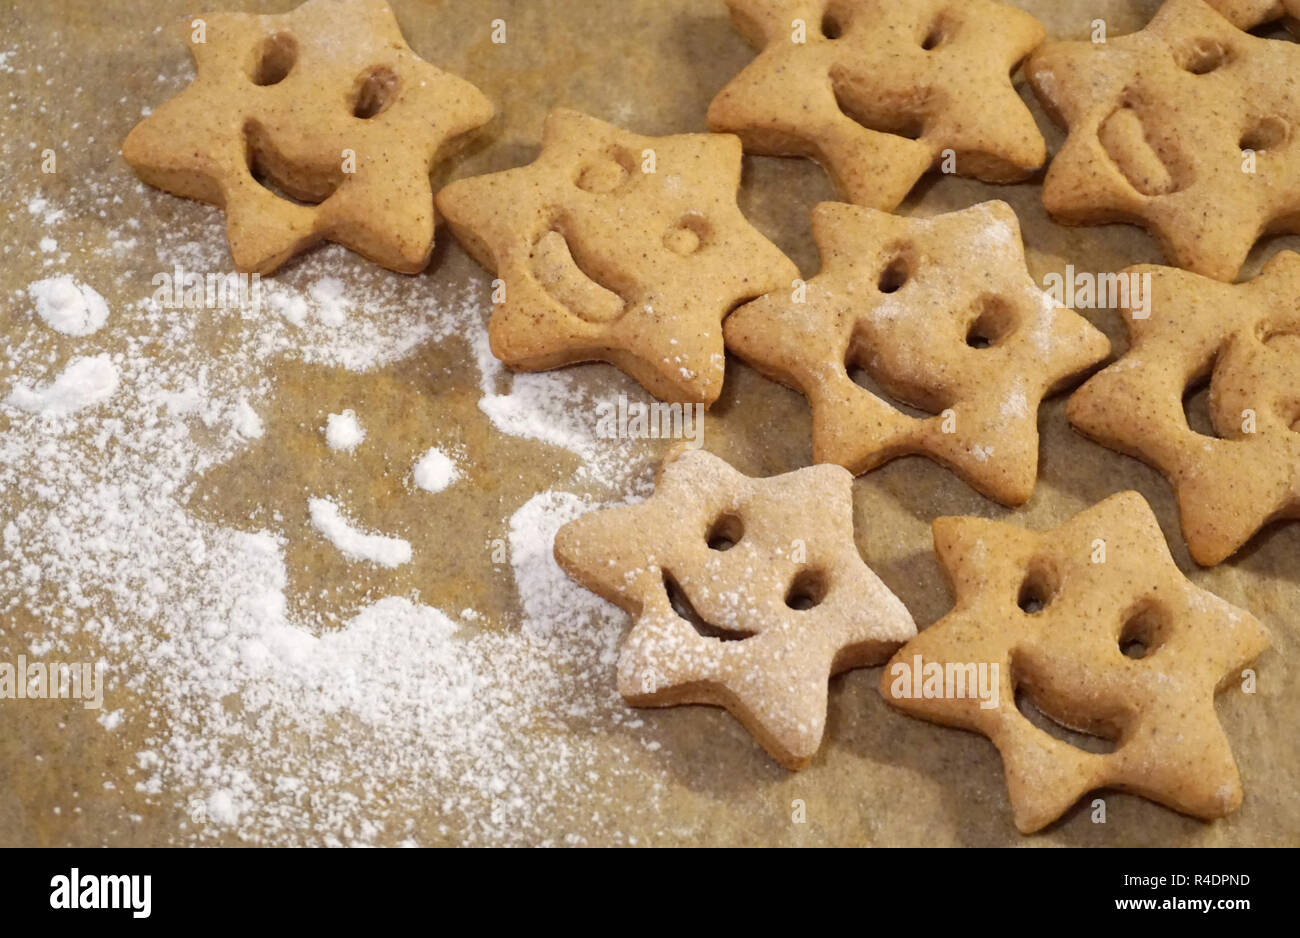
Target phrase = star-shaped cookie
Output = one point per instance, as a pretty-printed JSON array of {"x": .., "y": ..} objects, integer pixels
[
  {"x": 1095, "y": 624},
  {"x": 329, "y": 105},
  {"x": 877, "y": 90},
  {"x": 1185, "y": 127},
  {"x": 942, "y": 313},
  {"x": 748, "y": 594},
  {"x": 619, "y": 248},
  {"x": 1245, "y": 339}
]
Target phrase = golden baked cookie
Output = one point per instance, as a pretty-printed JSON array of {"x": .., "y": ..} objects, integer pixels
[
  {"x": 878, "y": 91},
  {"x": 747, "y": 593},
  {"x": 328, "y": 105},
  {"x": 1186, "y": 128},
  {"x": 1094, "y": 623},
  {"x": 619, "y": 248},
  {"x": 942, "y": 313}
]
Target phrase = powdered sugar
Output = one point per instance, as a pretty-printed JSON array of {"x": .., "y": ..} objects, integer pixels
[
  {"x": 246, "y": 422},
  {"x": 409, "y": 723},
  {"x": 353, "y": 542},
  {"x": 84, "y": 383},
  {"x": 67, "y": 306},
  {"x": 343, "y": 431},
  {"x": 407, "y": 705},
  {"x": 434, "y": 471}
]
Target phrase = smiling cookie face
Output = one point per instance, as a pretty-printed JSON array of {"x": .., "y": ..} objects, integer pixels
[
  {"x": 878, "y": 92},
  {"x": 318, "y": 124},
  {"x": 1186, "y": 127},
  {"x": 620, "y": 248}
]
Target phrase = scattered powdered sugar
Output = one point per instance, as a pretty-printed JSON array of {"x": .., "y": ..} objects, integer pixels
[
  {"x": 548, "y": 596},
  {"x": 246, "y": 422},
  {"x": 68, "y": 306},
  {"x": 83, "y": 383},
  {"x": 1015, "y": 406},
  {"x": 354, "y": 543},
  {"x": 406, "y": 711},
  {"x": 332, "y": 305},
  {"x": 343, "y": 431},
  {"x": 409, "y": 723},
  {"x": 554, "y": 407},
  {"x": 434, "y": 471}
]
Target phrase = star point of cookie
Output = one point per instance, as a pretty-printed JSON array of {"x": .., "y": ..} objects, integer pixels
[
  {"x": 942, "y": 313},
  {"x": 1186, "y": 127},
  {"x": 1245, "y": 339},
  {"x": 877, "y": 91},
  {"x": 1096, "y": 625},
  {"x": 328, "y": 104},
  {"x": 747, "y": 594},
  {"x": 618, "y": 247}
]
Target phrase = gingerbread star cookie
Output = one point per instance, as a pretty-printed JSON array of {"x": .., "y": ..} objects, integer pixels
[
  {"x": 1096, "y": 626},
  {"x": 619, "y": 248},
  {"x": 1186, "y": 127},
  {"x": 877, "y": 90},
  {"x": 326, "y": 104},
  {"x": 748, "y": 594},
  {"x": 1244, "y": 339},
  {"x": 942, "y": 314}
]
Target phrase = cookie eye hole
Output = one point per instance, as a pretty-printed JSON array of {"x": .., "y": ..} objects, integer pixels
[
  {"x": 1268, "y": 133},
  {"x": 936, "y": 36},
  {"x": 1143, "y": 632},
  {"x": 1203, "y": 56},
  {"x": 896, "y": 273},
  {"x": 807, "y": 591},
  {"x": 1037, "y": 590},
  {"x": 687, "y": 236},
  {"x": 995, "y": 322},
  {"x": 274, "y": 59},
  {"x": 725, "y": 533},
  {"x": 832, "y": 28},
  {"x": 376, "y": 90}
]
